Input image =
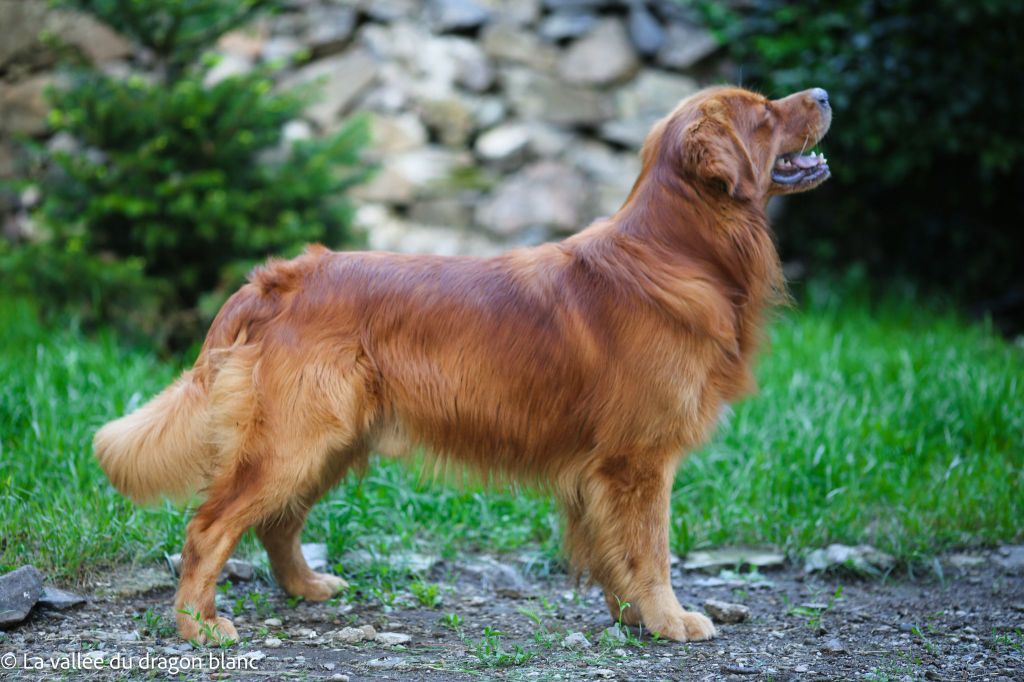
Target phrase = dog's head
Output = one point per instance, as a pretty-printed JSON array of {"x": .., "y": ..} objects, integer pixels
[{"x": 746, "y": 145}]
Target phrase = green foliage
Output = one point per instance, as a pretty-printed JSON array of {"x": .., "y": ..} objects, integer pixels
[
  {"x": 926, "y": 148},
  {"x": 181, "y": 181}
]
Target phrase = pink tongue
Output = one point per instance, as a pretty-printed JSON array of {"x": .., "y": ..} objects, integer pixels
[{"x": 805, "y": 161}]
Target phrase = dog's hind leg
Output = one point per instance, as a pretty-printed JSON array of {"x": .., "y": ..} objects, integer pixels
[
  {"x": 237, "y": 500},
  {"x": 627, "y": 514},
  {"x": 280, "y": 534}
]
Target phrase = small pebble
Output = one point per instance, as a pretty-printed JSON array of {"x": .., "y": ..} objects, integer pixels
[
  {"x": 833, "y": 646},
  {"x": 576, "y": 641},
  {"x": 392, "y": 638},
  {"x": 272, "y": 622},
  {"x": 726, "y": 612},
  {"x": 272, "y": 643}
]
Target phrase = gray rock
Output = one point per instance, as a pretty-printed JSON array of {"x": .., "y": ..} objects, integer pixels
[
  {"x": 506, "y": 144},
  {"x": 567, "y": 25},
  {"x": 613, "y": 635},
  {"x": 473, "y": 70},
  {"x": 646, "y": 32},
  {"x": 281, "y": 49},
  {"x": 548, "y": 140},
  {"x": 726, "y": 612},
  {"x": 557, "y": 5},
  {"x": 452, "y": 15},
  {"x": 329, "y": 28},
  {"x": 966, "y": 561},
  {"x": 393, "y": 638},
  {"x": 603, "y": 56},
  {"x": 237, "y": 569},
  {"x": 1010, "y": 558},
  {"x": 234, "y": 569},
  {"x": 340, "y": 80},
  {"x": 392, "y": 134},
  {"x": 19, "y": 591},
  {"x": 685, "y": 45},
  {"x": 133, "y": 581},
  {"x": 504, "y": 579},
  {"x": 546, "y": 194},
  {"x": 23, "y": 22},
  {"x": 639, "y": 104},
  {"x": 97, "y": 41},
  {"x": 272, "y": 643},
  {"x": 443, "y": 211},
  {"x": 349, "y": 635},
  {"x": 451, "y": 118},
  {"x": 23, "y": 107},
  {"x": 629, "y": 133},
  {"x": 519, "y": 12},
  {"x": 833, "y": 646},
  {"x": 418, "y": 173},
  {"x": 860, "y": 558},
  {"x": 315, "y": 554},
  {"x": 727, "y": 557},
  {"x": 576, "y": 641},
  {"x": 512, "y": 44},
  {"x": 537, "y": 96},
  {"x": 55, "y": 598},
  {"x": 613, "y": 173},
  {"x": 653, "y": 94},
  {"x": 403, "y": 560},
  {"x": 387, "y": 663},
  {"x": 387, "y": 11},
  {"x": 386, "y": 232}
]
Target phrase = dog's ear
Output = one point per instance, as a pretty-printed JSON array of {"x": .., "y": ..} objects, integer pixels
[{"x": 712, "y": 151}]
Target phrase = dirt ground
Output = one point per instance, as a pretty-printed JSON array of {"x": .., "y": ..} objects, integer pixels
[{"x": 967, "y": 624}]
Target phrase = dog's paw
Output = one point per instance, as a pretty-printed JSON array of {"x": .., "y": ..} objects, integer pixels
[
  {"x": 685, "y": 627},
  {"x": 218, "y": 631},
  {"x": 321, "y": 587}
]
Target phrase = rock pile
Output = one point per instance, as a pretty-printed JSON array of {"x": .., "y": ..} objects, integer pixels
[{"x": 495, "y": 122}]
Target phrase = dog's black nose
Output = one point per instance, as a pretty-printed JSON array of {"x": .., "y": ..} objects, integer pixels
[{"x": 820, "y": 95}]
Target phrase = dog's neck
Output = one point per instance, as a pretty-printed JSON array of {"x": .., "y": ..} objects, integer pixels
[{"x": 697, "y": 234}]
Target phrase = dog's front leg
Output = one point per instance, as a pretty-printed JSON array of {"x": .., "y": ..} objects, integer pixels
[{"x": 626, "y": 511}]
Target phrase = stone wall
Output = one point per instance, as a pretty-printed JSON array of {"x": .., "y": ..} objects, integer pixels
[{"x": 495, "y": 122}]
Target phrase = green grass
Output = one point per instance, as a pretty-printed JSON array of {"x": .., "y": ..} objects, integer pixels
[{"x": 883, "y": 424}]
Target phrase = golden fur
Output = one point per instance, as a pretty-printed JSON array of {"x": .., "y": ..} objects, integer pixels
[{"x": 589, "y": 366}]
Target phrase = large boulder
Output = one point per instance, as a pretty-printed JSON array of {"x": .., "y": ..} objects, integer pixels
[
  {"x": 23, "y": 106},
  {"x": 338, "y": 81},
  {"x": 537, "y": 96},
  {"x": 603, "y": 56},
  {"x": 419, "y": 173},
  {"x": 512, "y": 44},
  {"x": 685, "y": 45},
  {"x": 547, "y": 194},
  {"x": 640, "y": 103},
  {"x": 455, "y": 15}
]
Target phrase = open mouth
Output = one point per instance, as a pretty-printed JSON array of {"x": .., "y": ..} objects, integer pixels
[{"x": 799, "y": 169}]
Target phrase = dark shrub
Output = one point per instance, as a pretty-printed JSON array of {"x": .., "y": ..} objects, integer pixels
[
  {"x": 178, "y": 185},
  {"x": 926, "y": 146}
]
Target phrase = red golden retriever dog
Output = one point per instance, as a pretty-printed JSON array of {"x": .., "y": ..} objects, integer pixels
[{"x": 587, "y": 366}]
